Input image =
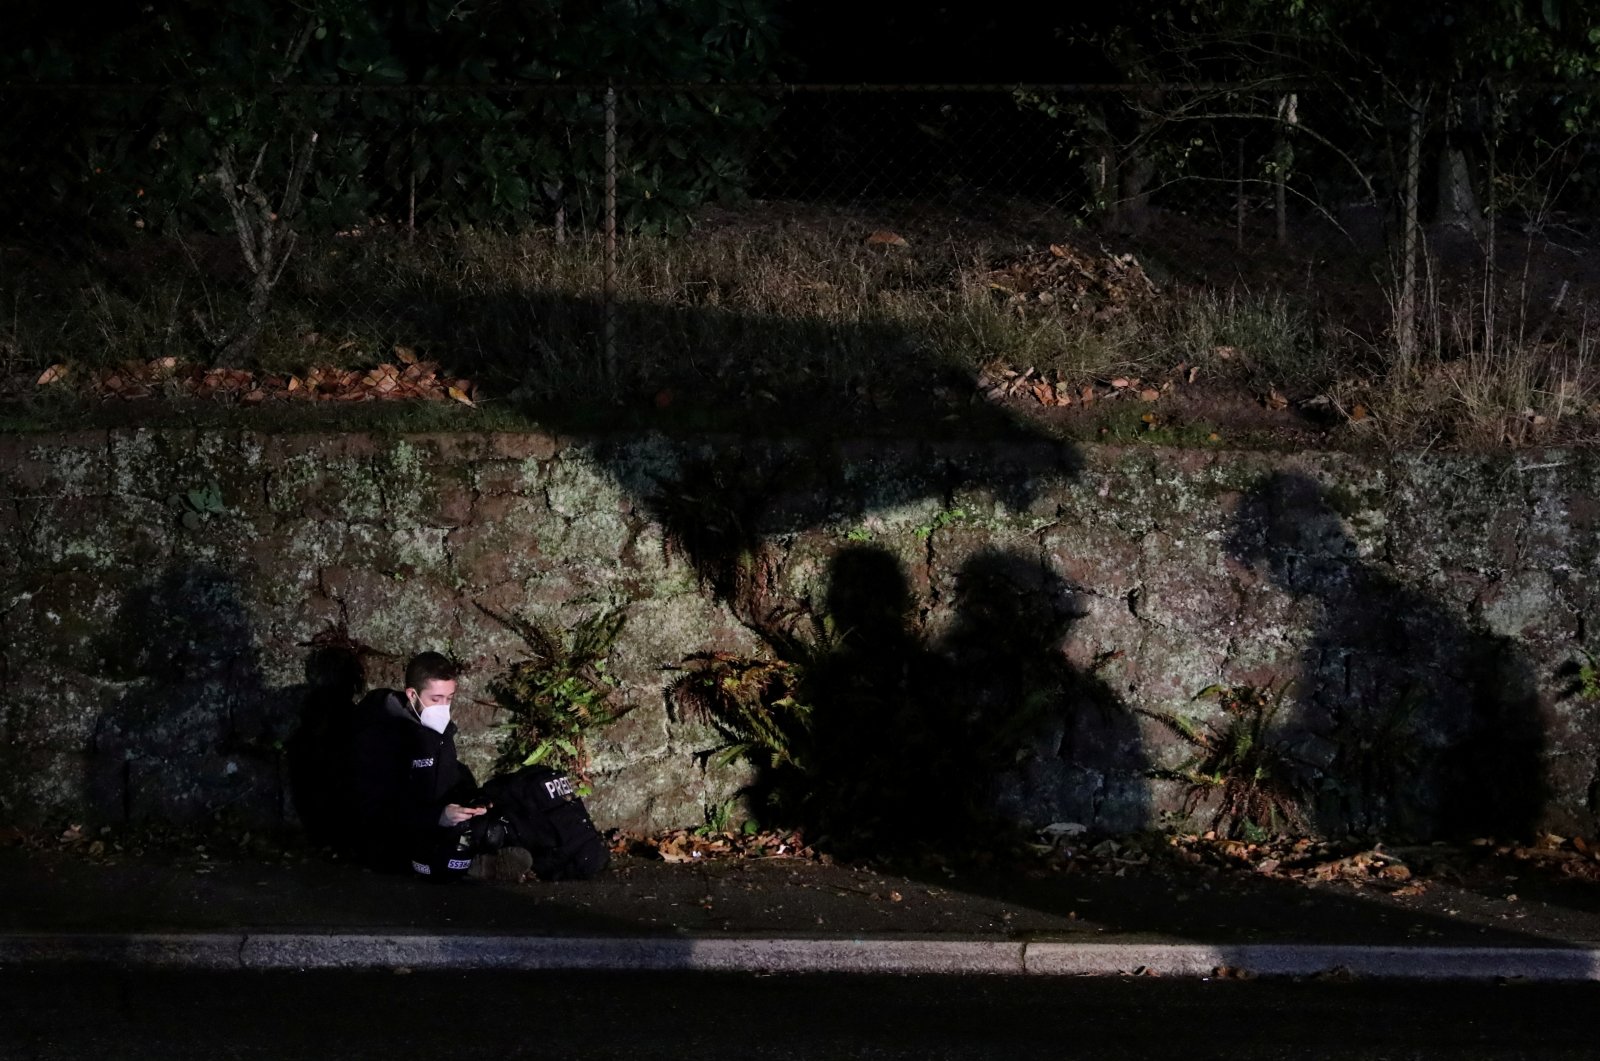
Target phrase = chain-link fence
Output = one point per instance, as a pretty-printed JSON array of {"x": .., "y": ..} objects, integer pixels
[{"x": 550, "y": 240}]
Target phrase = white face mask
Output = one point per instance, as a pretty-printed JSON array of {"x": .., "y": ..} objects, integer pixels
[{"x": 435, "y": 716}]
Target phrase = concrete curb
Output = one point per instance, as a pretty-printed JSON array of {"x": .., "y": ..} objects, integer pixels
[{"x": 266, "y": 951}]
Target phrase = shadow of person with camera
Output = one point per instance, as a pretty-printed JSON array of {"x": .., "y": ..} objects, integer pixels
[
  {"x": 1055, "y": 742},
  {"x": 872, "y": 764},
  {"x": 1412, "y": 722},
  {"x": 960, "y": 744}
]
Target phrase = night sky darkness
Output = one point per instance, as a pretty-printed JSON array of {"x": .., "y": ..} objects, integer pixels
[{"x": 903, "y": 42}]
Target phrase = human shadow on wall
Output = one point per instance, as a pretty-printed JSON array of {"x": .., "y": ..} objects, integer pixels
[
  {"x": 194, "y": 735},
  {"x": 1410, "y": 722},
  {"x": 874, "y": 758},
  {"x": 942, "y": 749},
  {"x": 319, "y": 753},
  {"x": 1069, "y": 748}
]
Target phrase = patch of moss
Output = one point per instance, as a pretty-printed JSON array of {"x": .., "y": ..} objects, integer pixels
[
  {"x": 1123, "y": 423},
  {"x": 1350, "y": 503}
]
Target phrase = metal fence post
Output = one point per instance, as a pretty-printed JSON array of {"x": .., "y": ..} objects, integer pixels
[
  {"x": 411, "y": 170},
  {"x": 609, "y": 288},
  {"x": 1406, "y": 322},
  {"x": 1238, "y": 200},
  {"x": 1288, "y": 118}
]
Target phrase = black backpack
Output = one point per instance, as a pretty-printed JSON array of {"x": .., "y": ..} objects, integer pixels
[{"x": 547, "y": 817}]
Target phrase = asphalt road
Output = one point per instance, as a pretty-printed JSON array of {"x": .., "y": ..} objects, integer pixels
[{"x": 106, "y": 1014}]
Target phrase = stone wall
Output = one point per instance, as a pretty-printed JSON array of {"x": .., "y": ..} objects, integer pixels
[{"x": 1431, "y": 608}]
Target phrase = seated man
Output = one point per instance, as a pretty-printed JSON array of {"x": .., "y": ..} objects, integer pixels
[
  {"x": 414, "y": 800},
  {"x": 417, "y": 805}
]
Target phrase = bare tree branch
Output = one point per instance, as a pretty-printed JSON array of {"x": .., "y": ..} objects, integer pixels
[
  {"x": 267, "y": 240},
  {"x": 297, "y": 49}
]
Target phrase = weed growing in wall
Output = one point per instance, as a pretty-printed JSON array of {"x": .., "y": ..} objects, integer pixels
[
  {"x": 1240, "y": 768},
  {"x": 752, "y": 704},
  {"x": 1589, "y": 678},
  {"x": 558, "y": 695}
]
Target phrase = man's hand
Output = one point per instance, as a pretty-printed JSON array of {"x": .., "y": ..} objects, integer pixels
[{"x": 455, "y": 814}]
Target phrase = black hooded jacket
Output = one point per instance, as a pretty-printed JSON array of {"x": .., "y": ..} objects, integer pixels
[{"x": 403, "y": 776}]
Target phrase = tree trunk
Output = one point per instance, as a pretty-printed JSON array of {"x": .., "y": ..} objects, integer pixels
[
  {"x": 1138, "y": 171},
  {"x": 1134, "y": 205},
  {"x": 1458, "y": 203}
]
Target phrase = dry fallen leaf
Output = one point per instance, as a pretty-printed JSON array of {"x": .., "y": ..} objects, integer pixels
[
  {"x": 1275, "y": 400},
  {"x": 885, "y": 238},
  {"x": 132, "y": 380},
  {"x": 383, "y": 379},
  {"x": 405, "y": 354},
  {"x": 1149, "y": 394}
]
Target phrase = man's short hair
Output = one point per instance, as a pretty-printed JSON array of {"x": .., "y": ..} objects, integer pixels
[{"x": 428, "y": 667}]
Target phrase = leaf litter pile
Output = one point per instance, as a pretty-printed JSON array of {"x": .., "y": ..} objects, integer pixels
[
  {"x": 408, "y": 377},
  {"x": 1097, "y": 288},
  {"x": 700, "y": 845}
]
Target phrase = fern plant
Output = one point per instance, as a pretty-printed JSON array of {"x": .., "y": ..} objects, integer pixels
[
  {"x": 557, "y": 695},
  {"x": 1239, "y": 764},
  {"x": 752, "y": 703}
]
